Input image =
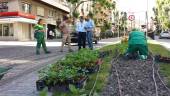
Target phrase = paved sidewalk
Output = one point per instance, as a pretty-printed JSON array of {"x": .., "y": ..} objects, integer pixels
[{"x": 20, "y": 80}]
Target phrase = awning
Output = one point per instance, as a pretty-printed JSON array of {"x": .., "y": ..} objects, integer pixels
[
  {"x": 15, "y": 14},
  {"x": 17, "y": 19}
]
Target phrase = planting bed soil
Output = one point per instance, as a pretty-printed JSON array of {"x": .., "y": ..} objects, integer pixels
[
  {"x": 162, "y": 59},
  {"x": 134, "y": 78}
]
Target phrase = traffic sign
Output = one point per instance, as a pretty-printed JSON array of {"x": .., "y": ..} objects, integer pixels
[{"x": 131, "y": 17}]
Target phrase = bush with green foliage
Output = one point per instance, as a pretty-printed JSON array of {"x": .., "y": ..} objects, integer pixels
[
  {"x": 68, "y": 67},
  {"x": 75, "y": 14}
]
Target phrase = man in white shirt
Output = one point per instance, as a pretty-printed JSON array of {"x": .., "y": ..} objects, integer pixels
[{"x": 80, "y": 29}]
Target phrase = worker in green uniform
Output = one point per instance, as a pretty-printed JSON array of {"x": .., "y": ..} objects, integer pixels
[
  {"x": 137, "y": 44},
  {"x": 40, "y": 36}
]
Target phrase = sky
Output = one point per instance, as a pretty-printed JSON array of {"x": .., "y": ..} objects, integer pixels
[{"x": 137, "y": 7}]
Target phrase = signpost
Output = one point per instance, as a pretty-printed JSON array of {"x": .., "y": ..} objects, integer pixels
[{"x": 131, "y": 18}]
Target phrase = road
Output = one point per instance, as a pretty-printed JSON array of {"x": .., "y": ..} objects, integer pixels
[
  {"x": 20, "y": 80},
  {"x": 163, "y": 42}
]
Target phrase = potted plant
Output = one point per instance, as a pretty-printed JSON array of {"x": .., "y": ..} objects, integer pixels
[{"x": 58, "y": 77}]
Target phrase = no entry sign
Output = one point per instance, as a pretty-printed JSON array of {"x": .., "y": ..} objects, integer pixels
[{"x": 131, "y": 17}]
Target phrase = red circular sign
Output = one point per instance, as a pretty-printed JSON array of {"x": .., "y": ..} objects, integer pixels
[{"x": 131, "y": 17}]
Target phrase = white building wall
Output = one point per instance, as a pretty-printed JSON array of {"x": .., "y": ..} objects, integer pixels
[
  {"x": 21, "y": 31},
  {"x": 25, "y": 31},
  {"x": 17, "y": 31},
  {"x": 13, "y": 5}
]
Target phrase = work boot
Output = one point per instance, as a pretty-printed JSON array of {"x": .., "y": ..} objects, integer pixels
[
  {"x": 79, "y": 48},
  {"x": 61, "y": 50},
  {"x": 47, "y": 52},
  {"x": 70, "y": 50},
  {"x": 37, "y": 52}
]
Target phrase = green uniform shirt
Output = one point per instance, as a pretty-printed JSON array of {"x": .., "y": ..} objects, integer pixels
[
  {"x": 39, "y": 27},
  {"x": 137, "y": 37}
]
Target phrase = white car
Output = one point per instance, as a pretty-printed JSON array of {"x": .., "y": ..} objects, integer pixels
[{"x": 164, "y": 34}]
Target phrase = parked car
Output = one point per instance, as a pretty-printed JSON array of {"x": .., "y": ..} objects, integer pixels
[
  {"x": 74, "y": 38},
  {"x": 164, "y": 34}
]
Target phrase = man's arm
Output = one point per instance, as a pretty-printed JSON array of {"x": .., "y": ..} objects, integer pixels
[
  {"x": 93, "y": 25},
  {"x": 61, "y": 26},
  {"x": 77, "y": 25}
]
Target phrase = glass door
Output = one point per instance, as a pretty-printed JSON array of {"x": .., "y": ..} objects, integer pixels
[
  {"x": 6, "y": 30},
  {"x": 1, "y": 30}
]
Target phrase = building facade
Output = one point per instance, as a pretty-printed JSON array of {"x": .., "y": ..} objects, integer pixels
[
  {"x": 85, "y": 8},
  {"x": 18, "y": 17}
]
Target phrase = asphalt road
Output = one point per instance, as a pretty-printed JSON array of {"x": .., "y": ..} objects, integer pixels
[{"x": 164, "y": 42}]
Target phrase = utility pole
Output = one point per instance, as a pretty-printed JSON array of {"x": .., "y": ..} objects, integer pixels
[
  {"x": 118, "y": 26},
  {"x": 147, "y": 28}
]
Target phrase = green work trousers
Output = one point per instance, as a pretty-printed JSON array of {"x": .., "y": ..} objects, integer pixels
[
  {"x": 143, "y": 49},
  {"x": 40, "y": 41}
]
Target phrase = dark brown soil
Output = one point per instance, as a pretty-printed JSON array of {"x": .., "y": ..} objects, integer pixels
[{"x": 136, "y": 79}]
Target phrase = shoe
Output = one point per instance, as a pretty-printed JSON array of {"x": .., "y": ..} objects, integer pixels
[
  {"x": 70, "y": 50},
  {"x": 37, "y": 53},
  {"x": 47, "y": 52}
]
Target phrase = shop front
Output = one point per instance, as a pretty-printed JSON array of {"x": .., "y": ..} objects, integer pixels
[{"x": 16, "y": 26}]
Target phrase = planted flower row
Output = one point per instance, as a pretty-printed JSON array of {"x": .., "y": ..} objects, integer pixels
[{"x": 73, "y": 69}]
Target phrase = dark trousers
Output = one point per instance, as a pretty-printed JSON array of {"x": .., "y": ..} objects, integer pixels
[
  {"x": 40, "y": 41},
  {"x": 81, "y": 40}
]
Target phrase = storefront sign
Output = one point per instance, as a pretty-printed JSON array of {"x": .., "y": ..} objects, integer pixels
[{"x": 3, "y": 6}]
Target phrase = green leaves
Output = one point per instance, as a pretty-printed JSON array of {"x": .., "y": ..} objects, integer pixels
[
  {"x": 75, "y": 14},
  {"x": 82, "y": 58},
  {"x": 73, "y": 1},
  {"x": 122, "y": 47},
  {"x": 76, "y": 91},
  {"x": 43, "y": 92},
  {"x": 73, "y": 89},
  {"x": 68, "y": 67},
  {"x": 161, "y": 12}
]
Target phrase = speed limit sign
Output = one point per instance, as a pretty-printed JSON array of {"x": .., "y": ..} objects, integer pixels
[{"x": 131, "y": 17}]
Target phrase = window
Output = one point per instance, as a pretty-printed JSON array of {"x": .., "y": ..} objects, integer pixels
[
  {"x": 40, "y": 11},
  {"x": 6, "y": 30},
  {"x": 55, "y": 14},
  {"x": 51, "y": 13},
  {"x": 26, "y": 8},
  {"x": 3, "y": 6}
]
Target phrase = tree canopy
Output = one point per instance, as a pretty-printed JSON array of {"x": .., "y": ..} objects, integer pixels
[
  {"x": 103, "y": 3},
  {"x": 162, "y": 13}
]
